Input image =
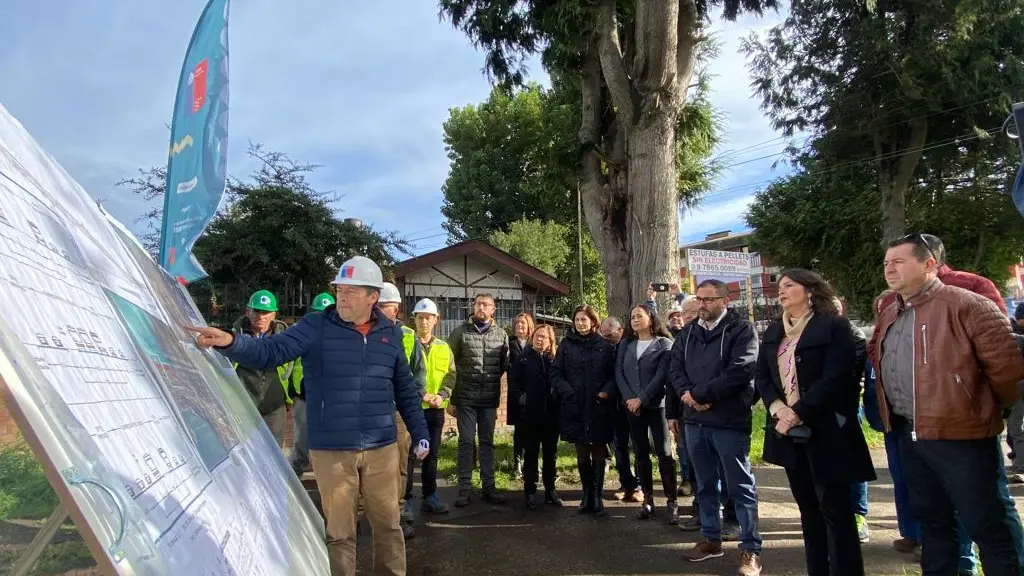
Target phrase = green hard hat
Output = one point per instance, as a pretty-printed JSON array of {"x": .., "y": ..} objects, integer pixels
[
  {"x": 263, "y": 300},
  {"x": 321, "y": 301}
]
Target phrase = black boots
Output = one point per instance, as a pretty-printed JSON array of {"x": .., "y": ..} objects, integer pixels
[
  {"x": 587, "y": 480},
  {"x": 598, "y": 490}
]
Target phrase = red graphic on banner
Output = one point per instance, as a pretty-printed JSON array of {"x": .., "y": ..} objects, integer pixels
[{"x": 198, "y": 82}]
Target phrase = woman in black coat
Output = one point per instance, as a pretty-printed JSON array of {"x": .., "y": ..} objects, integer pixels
[
  {"x": 522, "y": 335},
  {"x": 530, "y": 384},
  {"x": 583, "y": 378},
  {"x": 807, "y": 374},
  {"x": 641, "y": 372}
]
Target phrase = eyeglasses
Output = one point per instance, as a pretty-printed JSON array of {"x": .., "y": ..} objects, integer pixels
[
  {"x": 918, "y": 239},
  {"x": 707, "y": 299}
]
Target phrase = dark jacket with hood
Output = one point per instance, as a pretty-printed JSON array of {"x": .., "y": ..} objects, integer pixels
[
  {"x": 481, "y": 357},
  {"x": 716, "y": 367},
  {"x": 584, "y": 367}
]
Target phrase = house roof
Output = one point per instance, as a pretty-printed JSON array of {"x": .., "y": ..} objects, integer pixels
[
  {"x": 482, "y": 250},
  {"x": 722, "y": 243}
]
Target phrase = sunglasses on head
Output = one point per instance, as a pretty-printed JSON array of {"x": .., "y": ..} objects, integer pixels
[{"x": 918, "y": 239}]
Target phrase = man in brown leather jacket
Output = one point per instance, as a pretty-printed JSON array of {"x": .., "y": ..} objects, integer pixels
[{"x": 947, "y": 366}]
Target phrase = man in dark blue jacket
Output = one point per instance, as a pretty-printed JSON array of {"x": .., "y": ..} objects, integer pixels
[
  {"x": 712, "y": 372},
  {"x": 356, "y": 373}
]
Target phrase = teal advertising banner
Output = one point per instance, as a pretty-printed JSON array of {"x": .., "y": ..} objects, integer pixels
[{"x": 197, "y": 158}]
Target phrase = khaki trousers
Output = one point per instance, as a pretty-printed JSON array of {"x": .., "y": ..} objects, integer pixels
[
  {"x": 404, "y": 445},
  {"x": 345, "y": 477}
]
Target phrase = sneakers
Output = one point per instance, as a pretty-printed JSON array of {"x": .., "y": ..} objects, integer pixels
[
  {"x": 462, "y": 500},
  {"x": 407, "y": 531},
  {"x": 863, "y": 532},
  {"x": 691, "y": 525},
  {"x": 684, "y": 489},
  {"x": 433, "y": 505},
  {"x": 531, "y": 502},
  {"x": 704, "y": 550},
  {"x": 906, "y": 545},
  {"x": 551, "y": 497},
  {"x": 750, "y": 564},
  {"x": 730, "y": 532},
  {"x": 407, "y": 515}
]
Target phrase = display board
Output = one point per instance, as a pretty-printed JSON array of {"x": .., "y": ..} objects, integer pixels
[{"x": 152, "y": 444}]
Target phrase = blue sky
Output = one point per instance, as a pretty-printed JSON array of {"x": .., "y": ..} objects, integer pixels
[{"x": 358, "y": 87}]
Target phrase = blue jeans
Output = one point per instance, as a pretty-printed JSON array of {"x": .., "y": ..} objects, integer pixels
[
  {"x": 713, "y": 447},
  {"x": 859, "y": 498},
  {"x": 684, "y": 458}
]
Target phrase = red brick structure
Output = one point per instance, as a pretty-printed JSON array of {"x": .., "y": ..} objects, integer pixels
[{"x": 8, "y": 429}]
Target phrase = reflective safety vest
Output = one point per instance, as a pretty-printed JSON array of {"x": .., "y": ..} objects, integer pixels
[
  {"x": 408, "y": 342},
  {"x": 290, "y": 372},
  {"x": 438, "y": 357}
]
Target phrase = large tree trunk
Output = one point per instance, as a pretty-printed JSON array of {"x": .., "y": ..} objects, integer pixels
[
  {"x": 653, "y": 221},
  {"x": 896, "y": 159},
  {"x": 630, "y": 182}
]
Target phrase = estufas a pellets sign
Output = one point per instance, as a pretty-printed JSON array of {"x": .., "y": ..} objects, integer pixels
[{"x": 716, "y": 263}]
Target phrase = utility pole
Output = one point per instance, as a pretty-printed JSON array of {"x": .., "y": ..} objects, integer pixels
[{"x": 579, "y": 235}]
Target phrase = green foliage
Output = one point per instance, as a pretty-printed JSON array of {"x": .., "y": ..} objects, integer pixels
[
  {"x": 552, "y": 248},
  {"x": 831, "y": 227},
  {"x": 540, "y": 244},
  {"x": 512, "y": 157},
  {"x": 902, "y": 100},
  {"x": 24, "y": 490},
  {"x": 560, "y": 31},
  {"x": 275, "y": 232},
  {"x": 59, "y": 557}
]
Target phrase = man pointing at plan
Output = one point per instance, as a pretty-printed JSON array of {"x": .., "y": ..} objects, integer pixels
[{"x": 356, "y": 374}]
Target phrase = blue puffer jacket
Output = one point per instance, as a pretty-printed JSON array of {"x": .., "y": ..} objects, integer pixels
[{"x": 352, "y": 383}]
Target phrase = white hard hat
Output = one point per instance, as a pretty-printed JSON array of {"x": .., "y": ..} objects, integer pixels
[
  {"x": 359, "y": 271},
  {"x": 425, "y": 306},
  {"x": 389, "y": 294}
]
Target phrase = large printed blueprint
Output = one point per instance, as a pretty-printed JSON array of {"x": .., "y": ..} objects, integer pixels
[{"x": 160, "y": 448}]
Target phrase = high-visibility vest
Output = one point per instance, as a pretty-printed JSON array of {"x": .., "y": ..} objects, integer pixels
[
  {"x": 290, "y": 371},
  {"x": 408, "y": 342},
  {"x": 438, "y": 359}
]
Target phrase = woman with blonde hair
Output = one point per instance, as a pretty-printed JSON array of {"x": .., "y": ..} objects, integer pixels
[
  {"x": 529, "y": 385},
  {"x": 522, "y": 334}
]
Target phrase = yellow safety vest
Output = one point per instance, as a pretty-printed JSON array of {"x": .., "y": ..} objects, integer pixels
[
  {"x": 292, "y": 371},
  {"x": 408, "y": 342},
  {"x": 438, "y": 359}
]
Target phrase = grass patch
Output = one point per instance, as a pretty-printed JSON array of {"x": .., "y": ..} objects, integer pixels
[
  {"x": 504, "y": 474},
  {"x": 60, "y": 557},
  {"x": 24, "y": 489}
]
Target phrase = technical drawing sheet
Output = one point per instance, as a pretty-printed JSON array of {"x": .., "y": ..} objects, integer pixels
[{"x": 158, "y": 442}]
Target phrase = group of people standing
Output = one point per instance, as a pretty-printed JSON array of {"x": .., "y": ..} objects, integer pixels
[{"x": 941, "y": 362}]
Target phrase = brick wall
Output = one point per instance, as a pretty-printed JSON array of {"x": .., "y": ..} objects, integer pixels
[{"x": 8, "y": 429}]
